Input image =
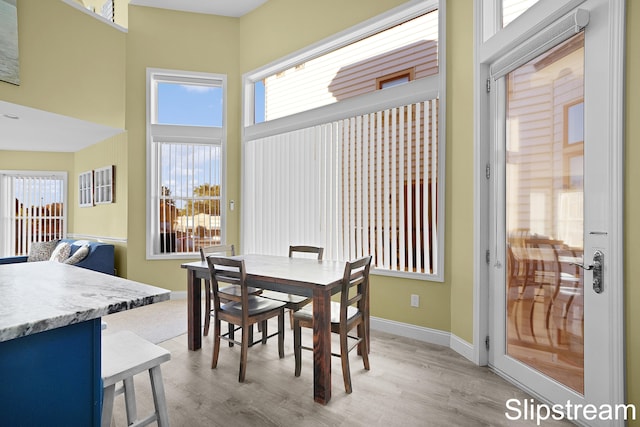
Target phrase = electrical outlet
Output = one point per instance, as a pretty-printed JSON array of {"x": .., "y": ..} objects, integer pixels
[{"x": 415, "y": 300}]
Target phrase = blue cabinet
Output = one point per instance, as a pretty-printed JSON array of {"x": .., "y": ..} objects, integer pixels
[{"x": 52, "y": 378}]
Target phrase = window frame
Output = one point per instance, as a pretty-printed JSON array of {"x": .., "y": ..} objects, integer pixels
[
  {"x": 7, "y": 206},
  {"x": 185, "y": 134},
  {"x": 410, "y": 92}
]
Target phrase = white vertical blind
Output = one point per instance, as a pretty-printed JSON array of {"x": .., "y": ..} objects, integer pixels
[
  {"x": 189, "y": 202},
  {"x": 32, "y": 209},
  {"x": 363, "y": 185}
]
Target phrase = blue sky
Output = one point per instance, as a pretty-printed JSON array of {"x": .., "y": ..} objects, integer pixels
[{"x": 192, "y": 105}]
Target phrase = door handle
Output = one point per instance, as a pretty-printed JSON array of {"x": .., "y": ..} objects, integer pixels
[{"x": 597, "y": 267}]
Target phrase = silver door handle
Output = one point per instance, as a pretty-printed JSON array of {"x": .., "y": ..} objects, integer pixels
[{"x": 597, "y": 267}]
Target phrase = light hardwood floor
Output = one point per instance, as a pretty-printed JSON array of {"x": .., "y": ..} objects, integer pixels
[{"x": 410, "y": 383}]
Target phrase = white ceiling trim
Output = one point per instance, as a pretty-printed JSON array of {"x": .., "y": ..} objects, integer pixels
[{"x": 233, "y": 8}]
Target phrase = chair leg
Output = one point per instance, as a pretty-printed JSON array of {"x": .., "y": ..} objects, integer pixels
[
  {"x": 281, "y": 335},
  {"x": 364, "y": 346},
  {"x": 243, "y": 354},
  {"x": 344, "y": 356},
  {"x": 130, "y": 400},
  {"x": 297, "y": 346},
  {"x": 160, "y": 403},
  {"x": 232, "y": 330},
  {"x": 216, "y": 342},
  {"x": 264, "y": 331},
  {"x": 107, "y": 404},
  {"x": 207, "y": 307}
]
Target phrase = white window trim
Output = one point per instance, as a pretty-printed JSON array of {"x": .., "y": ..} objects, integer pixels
[
  {"x": 418, "y": 90},
  {"x": 187, "y": 134}
]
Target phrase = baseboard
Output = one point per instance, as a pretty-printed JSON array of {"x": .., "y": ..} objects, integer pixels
[
  {"x": 431, "y": 336},
  {"x": 462, "y": 347}
]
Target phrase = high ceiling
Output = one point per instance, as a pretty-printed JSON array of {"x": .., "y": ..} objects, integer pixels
[{"x": 28, "y": 129}]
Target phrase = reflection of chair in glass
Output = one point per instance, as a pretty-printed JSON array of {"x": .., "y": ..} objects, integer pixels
[
  {"x": 555, "y": 283},
  {"x": 566, "y": 309},
  {"x": 243, "y": 310},
  {"x": 294, "y": 302},
  {"x": 345, "y": 316},
  {"x": 541, "y": 283}
]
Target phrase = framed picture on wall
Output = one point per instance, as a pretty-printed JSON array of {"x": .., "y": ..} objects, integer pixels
[
  {"x": 104, "y": 185},
  {"x": 85, "y": 189}
]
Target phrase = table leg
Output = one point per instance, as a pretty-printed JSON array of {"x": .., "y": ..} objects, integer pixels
[
  {"x": 194, "y": 311},
  {"x": 321, "y": 346}
]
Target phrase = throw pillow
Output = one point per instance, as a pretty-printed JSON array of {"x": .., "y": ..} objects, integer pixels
[
  {"x": 61, "y": 252},
  {"x": 78, "y": 255},
  {"x": 41, "y": 251}
]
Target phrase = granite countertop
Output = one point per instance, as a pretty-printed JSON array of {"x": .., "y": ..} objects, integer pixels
[{"x": 40, "y": 296}]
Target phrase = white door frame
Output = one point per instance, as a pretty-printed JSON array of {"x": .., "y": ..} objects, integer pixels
[{"x": 484, "y": 54}]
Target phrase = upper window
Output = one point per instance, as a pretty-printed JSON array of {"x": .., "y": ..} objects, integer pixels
[
  {"x": 186, "y": 135},
  {"x": 511, "y": 9},
  {"x": 203, "y": 100},
  {"x": 361, "y": 173},
  {"x": 32, "y": 209},
  {"x": 351, "y": 70}
]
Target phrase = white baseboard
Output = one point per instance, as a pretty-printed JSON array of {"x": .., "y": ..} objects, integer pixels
[
  {"x": 432, "y": 336},
  {"x": 462, "y": 347}
]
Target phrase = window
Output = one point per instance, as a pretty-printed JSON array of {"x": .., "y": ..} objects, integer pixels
[
  {"x": 395, "y": 79},
  {"x": 186, "y": 137},
  {"x": 351, "y": 70},
  {"x": 32, "y": 209},
  {"x": 362, "y": 174}
]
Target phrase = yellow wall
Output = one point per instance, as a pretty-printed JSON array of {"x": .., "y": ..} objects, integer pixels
[
  {"x": 196, "y": 42},
  {"x": 104, "y": 222},
  {"x": 70, "y": 64},
  {"x": 632, "y": 201}
]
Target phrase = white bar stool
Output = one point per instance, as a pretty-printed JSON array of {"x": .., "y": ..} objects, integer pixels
[{"x": 124, "y": 354}]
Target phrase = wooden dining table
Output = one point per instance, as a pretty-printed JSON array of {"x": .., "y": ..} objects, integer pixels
[{"x": 299, "y": 276}]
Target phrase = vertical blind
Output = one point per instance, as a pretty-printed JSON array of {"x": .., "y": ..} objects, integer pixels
[
  {"x": 362, "y": 185},
  {"x": 188, "y": 201},
  {"x": 32, "y": 210}
]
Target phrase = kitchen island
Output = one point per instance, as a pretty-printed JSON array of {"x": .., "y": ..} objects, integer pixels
[{"x": 50, "y": 340}]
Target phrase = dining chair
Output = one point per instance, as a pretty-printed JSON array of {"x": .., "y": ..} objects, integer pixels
[
  {"x": 241, "y": 311},
  {"x": 294, "y": 302},
  {"x": 345, "y": 316},
  {"x": 222, "y": 250}
]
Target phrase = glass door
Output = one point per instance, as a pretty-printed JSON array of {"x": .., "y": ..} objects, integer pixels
[
  {"x": 555, "y": 287},
  {"x": 544, "y": 213}
]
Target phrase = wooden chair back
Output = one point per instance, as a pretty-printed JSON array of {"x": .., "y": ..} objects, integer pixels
[
  {"x": 306, "y": 249},
  {"x": 222, "y": 250},
  {"x": 225, "y": 272},
  {"x": 355, "y": 287}
]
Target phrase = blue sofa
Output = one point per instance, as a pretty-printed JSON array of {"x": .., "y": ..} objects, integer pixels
[{"x": 101, "y": 256}]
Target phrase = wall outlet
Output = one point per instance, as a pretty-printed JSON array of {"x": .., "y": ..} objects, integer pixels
[{"x": 415, "y": 300}]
